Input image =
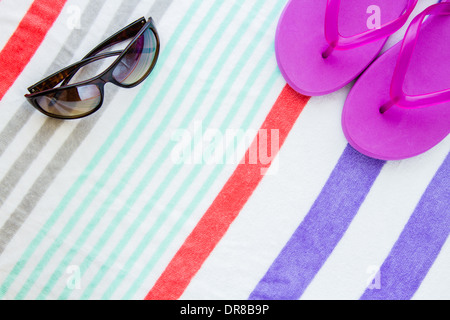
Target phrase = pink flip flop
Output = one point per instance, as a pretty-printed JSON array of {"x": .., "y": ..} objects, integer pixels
[
  {"x": 390, "y": 113},
  {"x": 323, "y": 45}
]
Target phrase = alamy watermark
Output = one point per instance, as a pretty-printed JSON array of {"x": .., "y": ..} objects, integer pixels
[
  {"x": 73, "y": 281},
  {"x": 374, "y": 280},
  {"x": 374, "y": 21},
  {"x": 73, "y": 21},
  {"x": 211, "y": 146}
]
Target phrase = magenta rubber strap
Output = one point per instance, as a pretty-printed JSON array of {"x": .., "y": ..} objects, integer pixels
[
  {"x": 398, "y": 96},
  {"x": 338, "y": 42}
]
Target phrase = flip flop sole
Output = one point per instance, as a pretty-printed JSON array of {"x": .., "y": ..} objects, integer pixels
[
  {"x": 300, "y": 42},
  {"x": 402, "y": 133}
]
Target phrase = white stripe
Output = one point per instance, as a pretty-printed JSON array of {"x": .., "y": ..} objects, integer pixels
[{"x": 436, "y": 283}]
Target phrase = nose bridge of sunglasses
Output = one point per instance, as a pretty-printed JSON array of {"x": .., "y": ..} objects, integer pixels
[{"x": 103, "y": 80}]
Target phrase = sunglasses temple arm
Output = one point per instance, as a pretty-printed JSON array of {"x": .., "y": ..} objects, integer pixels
[
  {"x": 67, "y": 73},
  {"x": 125, "y": 34}
]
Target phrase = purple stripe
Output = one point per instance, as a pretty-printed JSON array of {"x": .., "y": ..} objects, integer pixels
[
  {"x": 321, "y": 230},
  {"x": 419, "y": 244}
]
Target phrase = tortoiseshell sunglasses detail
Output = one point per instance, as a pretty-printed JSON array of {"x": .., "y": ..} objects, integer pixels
[{"x": 131, "y": 67}]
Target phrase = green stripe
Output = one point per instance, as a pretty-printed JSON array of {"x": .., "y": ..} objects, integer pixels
[
  {"x": 165, "y": 154},
  {"x": 191, "y": 178},
  {"x": 92, "y": 165},
  {"x": 199, "y": 196},
  {"x": 152, "y": 141},
  {"x": 149, "y": 145}
]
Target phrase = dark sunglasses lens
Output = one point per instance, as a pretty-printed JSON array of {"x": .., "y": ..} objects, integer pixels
[
  {"x": 136, "y": 63},
  {"x": 71, "y": 102}
]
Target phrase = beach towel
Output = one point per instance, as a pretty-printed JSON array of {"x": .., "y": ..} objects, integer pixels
[{"x": 213, "y": 179}]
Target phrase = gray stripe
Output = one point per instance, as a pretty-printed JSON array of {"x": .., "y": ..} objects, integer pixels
[
  {"x": 159, "y": 8},
  {"x": 23, "y": 114},
  {"x": 62, "y": 59},
  {"x": 14, "y": 125},
  {"x": 46, "y": 178},
  {"x": 24, "y": 161}
]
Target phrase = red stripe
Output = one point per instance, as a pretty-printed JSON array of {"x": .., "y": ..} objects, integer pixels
[
  {"x": 27, "y": 38},
  {"x": 226, "y": 207}
]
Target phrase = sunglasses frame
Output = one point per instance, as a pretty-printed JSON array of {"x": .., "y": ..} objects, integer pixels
[{"x": 47, "y": 85}]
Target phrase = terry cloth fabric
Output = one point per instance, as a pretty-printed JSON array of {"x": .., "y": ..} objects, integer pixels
[{"x": 114, "y": 206}]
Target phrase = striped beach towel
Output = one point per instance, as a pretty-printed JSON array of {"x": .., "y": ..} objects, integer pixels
[{"x": 211, "y": 180}]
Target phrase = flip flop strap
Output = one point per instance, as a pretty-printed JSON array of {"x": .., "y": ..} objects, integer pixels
[
  {"x": 398, "y": 96},
  {"x": 338, "y": 42}
]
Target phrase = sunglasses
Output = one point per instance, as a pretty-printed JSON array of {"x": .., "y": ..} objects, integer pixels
[{"x": 130, "y": 68}]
